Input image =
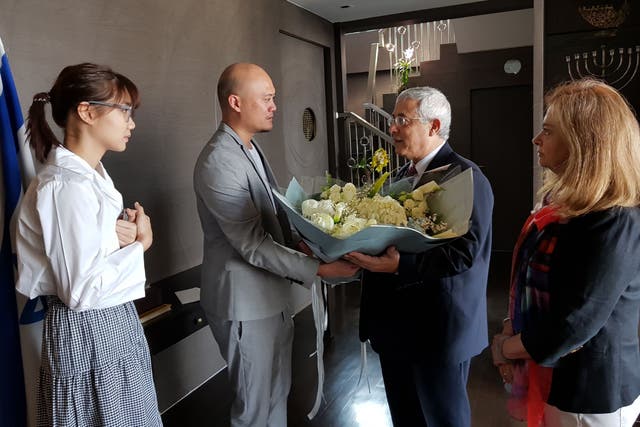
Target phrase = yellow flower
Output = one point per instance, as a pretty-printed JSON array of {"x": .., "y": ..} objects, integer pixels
[{"x": 380, "y": 160}]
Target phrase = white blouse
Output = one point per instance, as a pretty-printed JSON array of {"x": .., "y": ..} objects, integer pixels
[{"x": 66, "y": 238}]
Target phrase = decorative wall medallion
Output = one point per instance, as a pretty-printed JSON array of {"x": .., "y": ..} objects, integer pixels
[{"x": 309, "y": 124}]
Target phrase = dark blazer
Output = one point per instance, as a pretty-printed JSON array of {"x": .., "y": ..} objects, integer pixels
[
  {"x": 594, "y": 302},
  {"x": 435, "y": 308}
]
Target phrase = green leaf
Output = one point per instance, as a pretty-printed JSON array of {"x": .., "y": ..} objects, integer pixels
[{"x": 377, "y": 186}]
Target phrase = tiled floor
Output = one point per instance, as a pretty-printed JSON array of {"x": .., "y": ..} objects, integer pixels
[{"x": 348, "y": 404}]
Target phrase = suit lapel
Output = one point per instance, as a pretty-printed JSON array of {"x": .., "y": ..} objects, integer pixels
[
  {"x": 442, "y": 162},
  {"x": 402, "y": 172},
  {"x": 226, "y": 128},
  {"x": 282, "y": 216},
  {"x": 444, "y": 158},
  {"x": 271, "y": 181},
  {"x": 267, "y": 168}
]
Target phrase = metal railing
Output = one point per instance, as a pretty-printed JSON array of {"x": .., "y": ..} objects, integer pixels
[
  {"x": 377, "y": 117},
  {"x": 362, "y": 139}
]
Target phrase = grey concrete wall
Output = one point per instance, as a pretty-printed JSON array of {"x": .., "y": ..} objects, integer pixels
[{"x": 174, "y": 51}]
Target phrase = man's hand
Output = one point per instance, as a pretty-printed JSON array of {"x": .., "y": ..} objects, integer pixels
[
  {"x": 304, "y": 248},
  {"x": 337, "y": 268},
  {"x": 386, "y": 263}
]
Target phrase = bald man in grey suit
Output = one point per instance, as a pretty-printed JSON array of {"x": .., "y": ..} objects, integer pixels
[{"x": 248, "y": 265}]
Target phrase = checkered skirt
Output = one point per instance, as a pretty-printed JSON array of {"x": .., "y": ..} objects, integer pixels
[{"x": 95, "y": 369}]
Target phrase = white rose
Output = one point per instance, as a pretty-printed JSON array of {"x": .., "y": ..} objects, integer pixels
[
  {"x": 409, "y": 204},
  {"x": 352, "y": 224},
  {"x": 326, "y": 206},
  {"x": 339, "y": 209},
  {"x": 308, "y": 207},
  {"x": 323, "y": 221},
  {"x": 348, "y": 192}
]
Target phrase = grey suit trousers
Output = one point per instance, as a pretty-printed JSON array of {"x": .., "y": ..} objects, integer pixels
[{"x": 258, "y": 356}]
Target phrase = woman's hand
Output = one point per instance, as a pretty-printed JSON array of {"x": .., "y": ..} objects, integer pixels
[
  {"x": 143, "y": 224},
  {"x": 496, "y": 349},
  {"x": 126, "y": 231},
  {"x": 506, "y": 372},
  {"x": 505, "y": 367},
  {"x": 507, "y": 327}
]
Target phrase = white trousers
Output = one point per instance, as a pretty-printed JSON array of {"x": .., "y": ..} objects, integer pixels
[
  {"x": 623, "y": 417},
  {"x": 258, "y": 356}
]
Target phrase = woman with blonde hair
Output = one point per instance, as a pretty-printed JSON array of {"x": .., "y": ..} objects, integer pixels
[
  {"x": 79, "y": 248},
  {"x": 569, "y": 347}
]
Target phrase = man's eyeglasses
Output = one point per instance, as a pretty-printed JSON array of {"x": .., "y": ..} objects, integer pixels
[
  {"x": 400, "y": 121},
  {"x": 127, "y": 110}
]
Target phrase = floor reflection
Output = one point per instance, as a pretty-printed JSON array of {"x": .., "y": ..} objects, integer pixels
[
  {"x": 371, "y": 414},
  {"x": 347, "y": 403}
]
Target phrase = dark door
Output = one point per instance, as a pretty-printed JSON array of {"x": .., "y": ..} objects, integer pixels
[{"x": 501, "y": 133}]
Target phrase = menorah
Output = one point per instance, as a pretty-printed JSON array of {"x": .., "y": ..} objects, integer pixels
[{"x": 614, "y": 66}]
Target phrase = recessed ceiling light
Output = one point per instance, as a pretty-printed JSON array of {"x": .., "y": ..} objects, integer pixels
[{"x": 346, "y": 6}]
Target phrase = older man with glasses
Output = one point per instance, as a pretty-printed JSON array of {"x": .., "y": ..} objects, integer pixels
[{"x": 425, "y": 314}]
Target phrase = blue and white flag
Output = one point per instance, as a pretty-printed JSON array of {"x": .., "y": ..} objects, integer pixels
[{"x": 17, "y": 169}]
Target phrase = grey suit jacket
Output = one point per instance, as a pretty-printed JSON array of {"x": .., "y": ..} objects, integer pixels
[{"x": 246, "y": 268}]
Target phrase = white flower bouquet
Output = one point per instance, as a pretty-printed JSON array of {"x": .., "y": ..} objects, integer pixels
[{"x": 343, "y": 219}]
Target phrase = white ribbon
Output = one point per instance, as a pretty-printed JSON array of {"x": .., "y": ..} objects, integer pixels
[
  {"x": 364, "y": 371},
  {"x": 318, "y": 307},
  {"x": 317, "y": 304}
]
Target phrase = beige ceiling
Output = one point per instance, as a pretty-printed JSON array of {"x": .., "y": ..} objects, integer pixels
[{"x": 332, "y": 10}]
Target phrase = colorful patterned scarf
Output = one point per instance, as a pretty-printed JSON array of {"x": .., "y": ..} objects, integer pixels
[{"x": 528, "y": 300}]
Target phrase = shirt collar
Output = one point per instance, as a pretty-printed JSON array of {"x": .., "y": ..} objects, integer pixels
[
  {"x": 66, "y": 159},
  {"x": 228, "y": 129},
  {"x": 423, "y": 164}
]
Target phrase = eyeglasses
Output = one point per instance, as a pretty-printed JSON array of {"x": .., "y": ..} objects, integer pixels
[
  {"x": 127, "y": 110},
  {"x": 400, "y": 121}
]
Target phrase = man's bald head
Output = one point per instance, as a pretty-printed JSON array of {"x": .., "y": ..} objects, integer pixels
[
  {"x": 232, "y": 79},
  {"x": 247, "y": 99}
]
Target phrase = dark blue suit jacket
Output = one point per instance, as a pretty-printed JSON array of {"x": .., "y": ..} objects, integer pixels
[{"x": 435, "y": 308}]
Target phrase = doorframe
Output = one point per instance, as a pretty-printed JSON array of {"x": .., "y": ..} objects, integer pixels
[
  {"x": 406, "y": 18},
  {"x": 328, "y": 93}
]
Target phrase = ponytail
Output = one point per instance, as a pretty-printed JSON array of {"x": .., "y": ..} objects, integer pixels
[
  {"x": 41, "y": 138},
  {"x": 75, "y": 84}
]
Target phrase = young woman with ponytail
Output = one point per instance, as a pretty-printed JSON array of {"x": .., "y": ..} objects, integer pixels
[{"x": 74, "y": 248}]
